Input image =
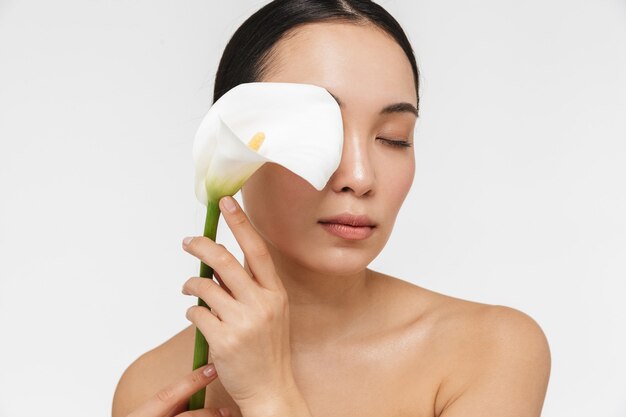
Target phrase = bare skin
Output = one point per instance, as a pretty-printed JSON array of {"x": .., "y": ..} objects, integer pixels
[
  {"x": 365, "y": 343},
  {"x": 416, "y": 353}
]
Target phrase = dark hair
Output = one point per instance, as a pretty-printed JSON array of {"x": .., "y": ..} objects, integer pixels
[{"x": 247, "y": 56}]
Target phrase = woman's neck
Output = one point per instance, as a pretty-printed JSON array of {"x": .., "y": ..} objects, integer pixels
[{"x": 323, "y": 308}]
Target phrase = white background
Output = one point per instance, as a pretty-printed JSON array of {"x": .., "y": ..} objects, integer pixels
[{"x": 519, "y": 195}]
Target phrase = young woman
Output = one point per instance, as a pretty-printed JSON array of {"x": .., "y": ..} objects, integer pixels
[{"x": 324, "y": 334}]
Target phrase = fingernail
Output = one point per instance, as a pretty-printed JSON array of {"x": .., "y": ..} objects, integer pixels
[
  {"x": 209, "y": 370},
  {"x": 229, "y": 204},
  {"x": 187, "y": 240},
  {"x": 224, "y": 412}
]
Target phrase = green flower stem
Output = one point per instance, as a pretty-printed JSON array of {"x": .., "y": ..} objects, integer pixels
[{"x": 201, "y": 348}]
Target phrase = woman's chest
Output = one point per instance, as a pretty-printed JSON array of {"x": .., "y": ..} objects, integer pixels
[{"x": 381, "y": 380}]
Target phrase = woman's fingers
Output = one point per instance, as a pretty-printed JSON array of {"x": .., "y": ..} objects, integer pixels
[
  {"x": 213, "y": 294},
  {"x": 170, "y": 398},
  {"x": 252, "y": 245},
  {"x": 241, "y": 286}
]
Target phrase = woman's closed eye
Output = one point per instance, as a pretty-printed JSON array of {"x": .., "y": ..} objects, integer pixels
[{"x": 396, "y": 143}]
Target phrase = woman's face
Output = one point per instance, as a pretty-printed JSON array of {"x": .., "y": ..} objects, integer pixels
[{"x": 366, "y": 70}]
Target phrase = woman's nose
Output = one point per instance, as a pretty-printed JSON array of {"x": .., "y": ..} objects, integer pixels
[{"x": 355, "y": 171}]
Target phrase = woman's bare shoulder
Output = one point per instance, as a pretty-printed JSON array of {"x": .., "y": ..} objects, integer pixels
[
  {"x": 154, "y": 370},
  {"x": 453, "y": 312},
  {"x": 426, "y": 307},
  {"x": 500, "y": 363},
  {"x": 485, "y": 351}
]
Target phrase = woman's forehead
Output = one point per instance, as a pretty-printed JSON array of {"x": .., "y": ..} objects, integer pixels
[{"x": 352, "y": 61}]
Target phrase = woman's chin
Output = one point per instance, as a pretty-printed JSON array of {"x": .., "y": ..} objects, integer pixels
[{"x": 337, "y": 261}]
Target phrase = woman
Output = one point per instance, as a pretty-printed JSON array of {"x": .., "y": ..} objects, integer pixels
[{"x": 344, "y": 340}]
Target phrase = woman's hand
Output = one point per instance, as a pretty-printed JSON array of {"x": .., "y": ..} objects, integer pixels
[
  {"x": 172, "y": 400},
  {"x": 247, "y": 328}
]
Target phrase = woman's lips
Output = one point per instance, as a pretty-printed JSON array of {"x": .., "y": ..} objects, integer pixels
[
  {"x": 350, "y": 219},
  {"x": 348, "y": 232}
]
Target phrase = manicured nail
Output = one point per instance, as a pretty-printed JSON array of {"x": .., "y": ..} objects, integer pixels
[
  {"x": 209, "y": 370},
  {"x": 224, "y": 412},
  {"x": 187, "y": 240},
  {"x": 229, "y": 204}
]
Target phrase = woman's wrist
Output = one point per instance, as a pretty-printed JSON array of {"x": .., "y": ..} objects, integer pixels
[{"x": 285, "y": 402}]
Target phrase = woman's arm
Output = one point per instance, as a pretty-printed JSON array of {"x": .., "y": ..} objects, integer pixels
[
  {"x": 510, "y": 377},
  {"x": 136, "y": 385}
]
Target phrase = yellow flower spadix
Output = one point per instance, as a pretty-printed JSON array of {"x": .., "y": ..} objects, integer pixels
[{"x": 256, "y": 141}]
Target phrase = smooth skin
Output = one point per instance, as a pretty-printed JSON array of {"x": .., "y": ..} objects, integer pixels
[{"x": 361, "y": 343}]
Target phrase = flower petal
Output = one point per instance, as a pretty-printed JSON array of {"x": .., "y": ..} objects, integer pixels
[
  {"x": 231, "y": 166},
  {"x": 303, "y": 132}
]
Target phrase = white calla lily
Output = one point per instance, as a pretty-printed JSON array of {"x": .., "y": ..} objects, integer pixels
[
  {"x": 298, "y": 126},
  {"x": 302, "y": 129}
]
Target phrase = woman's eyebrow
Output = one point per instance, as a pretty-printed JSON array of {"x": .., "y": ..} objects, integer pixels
[{"x": 402, "y": 107}]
